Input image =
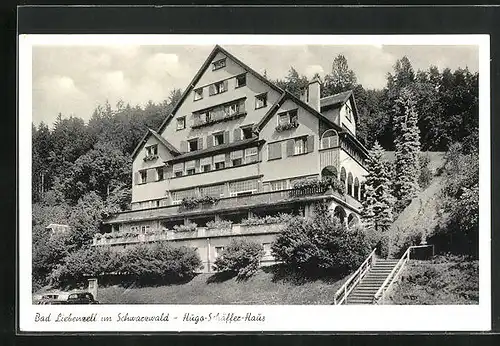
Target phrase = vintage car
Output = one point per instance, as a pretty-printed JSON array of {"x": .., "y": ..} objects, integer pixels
[
  {"x": 81, "y": 298},
  {"x": 71, "y": 298},
  {"x": 52, "y": 298}
]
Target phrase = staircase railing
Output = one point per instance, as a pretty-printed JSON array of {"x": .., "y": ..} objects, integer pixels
[
  {"x": 391, "y": 278},
  {"x": 342, "y": 293}
]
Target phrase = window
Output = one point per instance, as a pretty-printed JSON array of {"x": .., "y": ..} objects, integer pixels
[
  {"x": 279, "y": 185},
  {"x": 251, "y": 155},
  {"x": 142, "y": 176},
  {"x": 193, "y": 144},
  {"x": 300, "y": 146},
  {"x": 198, "y": 94},
  {"x": 159, "y": 174},
  {"x": 152, "y": 150},
  {"x": 244, "y": 187},
  {"x": 178, "y": 196},
  {"x": 190, "y": 167},
  {"x": 261, "y": 101},
  {"x": 206, "y": 164},
  {"x": 247, "y": 132},
  {"x": 144, "y": 229},
  {"x": 213, "y": 191},
  {"x": 218, "y": 251},
  {"x": 219, "y": 64},
  {"x": 330, "y": 139},
  {"x": 289, "y": 117},
  {"x": 237, "y": 157},
  {"x": 219, "y": 113},
  {"x": 178, "y": 169},
  {"x": 241, "y": 80},
  {"x": 181, "y": 123},
  {"x": 218, "y": 88},
  {"x": 219, "y": 138},
  {"x": 348, "y": 112},
  {"x": 267, "y": 249},
  {"x": 219, "y": 161},
  {"x": 274, "y": 151}
]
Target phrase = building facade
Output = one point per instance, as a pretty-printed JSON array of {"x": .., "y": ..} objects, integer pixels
[{"x": 234, "y": 149}]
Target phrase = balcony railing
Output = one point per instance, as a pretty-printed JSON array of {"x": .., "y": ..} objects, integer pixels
[{"x": 123, "y": 238}]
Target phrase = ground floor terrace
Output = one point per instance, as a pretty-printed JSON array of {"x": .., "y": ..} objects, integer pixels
[{"x": 210, "y": 226}]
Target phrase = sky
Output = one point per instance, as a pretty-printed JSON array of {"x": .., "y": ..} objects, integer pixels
[{"x": 73, "y": 80}]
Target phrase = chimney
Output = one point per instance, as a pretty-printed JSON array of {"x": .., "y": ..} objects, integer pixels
[{"x": 313, "y": 93}]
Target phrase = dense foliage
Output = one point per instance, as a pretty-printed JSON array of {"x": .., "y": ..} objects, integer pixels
[
  {"x": 159, "y": 262},
  {"x": 241, "y": 258},
  {"x": 320, "y": 245}
]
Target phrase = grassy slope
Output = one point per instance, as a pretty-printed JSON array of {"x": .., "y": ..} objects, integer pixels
[
  {"x": 259, "y": 289},
  {"x": 448, "y": 280}
]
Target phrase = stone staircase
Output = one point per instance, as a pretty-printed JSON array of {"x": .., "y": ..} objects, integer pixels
[{"x": 365, "y": 290}]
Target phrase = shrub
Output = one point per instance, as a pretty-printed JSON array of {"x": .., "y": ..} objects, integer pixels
[
  {"x": 321, "y": 246},
  {"x": 193, "y": 202},
  {"x": 268, "y": 219},
  {"x": 190, "y": 227},
  {"x": 240, "y": 258},
  {"x": 379, "y": 240},
  {"x": 402, "y": 239},
  {"x": 219, "y": 224},
  {"x": 322, "y": 184}
]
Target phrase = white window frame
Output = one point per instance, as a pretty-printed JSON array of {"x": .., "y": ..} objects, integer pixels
[
  {"x": 143, "y": 176},
  {"x": 262, "y": 98},
  {"x": 215, "y": 140},
  {"x": 236, "y": 193},
  {"x": 218, "y": 64},
  {"x": 158, "y": 169},
  {"x": 244, "y": 75},
  {"x": 150, "y": 151},
  {"x": 301, "y": 148},
  {"x": 249, "y": 153},
  {"x": 198, "y": 94}
]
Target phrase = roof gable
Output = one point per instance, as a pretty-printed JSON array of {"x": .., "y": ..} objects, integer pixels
[{"x": 160, "y": 139}]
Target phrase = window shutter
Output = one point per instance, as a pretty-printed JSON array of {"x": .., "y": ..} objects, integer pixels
[
  {"x": 225, "y": 85},
  {"x": 196, "y": 119},
  {"x": 310, "y": 144},
  {"x": 226, "y": 137},
  {"x": 290, "y": 147},
  {"x": 136, "y": 178},
  {"x": 197, "y": 165},
  {"x": 228, "y": 159},
  {"x": 184, "y": 146},
  {"x": 211, "y": 89},
  {"x": 200, "y": 143},
  {"x": 237, "y": 135},
  {"x": 210, "y": 141}
]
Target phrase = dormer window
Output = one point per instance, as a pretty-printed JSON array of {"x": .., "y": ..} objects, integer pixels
[
  {"x": 348, "y": 112},
  {"x": 198, "y": 94},
  {"x": 218, "y": 88},
  {"x": 247, "y": 132},
  {"x": 219, "y": 64},
  {"x": 193, "y": 144}
]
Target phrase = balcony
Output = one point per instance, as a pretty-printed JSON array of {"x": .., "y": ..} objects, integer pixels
[
  {"x": 124, "y": 238},
  {"x": 229, "y": 204}
]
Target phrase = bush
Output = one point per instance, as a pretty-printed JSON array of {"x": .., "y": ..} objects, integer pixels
[
  {"x": 190, "y": 227},
  {"x": 220, "y": 224},
  {"x": 323, "y": 184},
  {"x": 402, "y": 240},
  {"x": 193, "y": 202},
  {"x": 321, "y": 246},
  {"x": 379, "y": 240},
  {"x": 240, "y": 258},
  {"x": 268, "y": 219}
]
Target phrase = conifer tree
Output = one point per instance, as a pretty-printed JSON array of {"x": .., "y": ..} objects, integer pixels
[
  {"x": 407, "y": 145},
  {"x": 378, "y": 204}
]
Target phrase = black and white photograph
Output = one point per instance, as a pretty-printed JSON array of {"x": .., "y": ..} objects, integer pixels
[{"x": 273, "y": 172}]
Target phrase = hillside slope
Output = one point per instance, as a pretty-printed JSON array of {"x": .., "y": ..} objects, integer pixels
[{"x": 263, "y": 288}]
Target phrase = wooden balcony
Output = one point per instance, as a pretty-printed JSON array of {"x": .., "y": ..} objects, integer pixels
[{"x": 227, "y": 204}]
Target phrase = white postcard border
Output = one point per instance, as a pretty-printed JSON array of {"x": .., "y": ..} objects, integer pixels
[{"x": 276, "y": 318}]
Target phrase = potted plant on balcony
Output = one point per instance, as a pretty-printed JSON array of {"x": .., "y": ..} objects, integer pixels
[
  {"x": 151, "y": 157},
  {"x": 194, "y": 202},
  {"x": 190, "y": 227},
  {"x": 224, "y": 225},
  {"x": 287, "y": 126}
]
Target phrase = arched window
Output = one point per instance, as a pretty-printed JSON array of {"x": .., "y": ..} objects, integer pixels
[
  {"x": 330, "y": 139},
  {"x": 352, "y": 220},
  {"x": 342, "y": 176},
  {"x": 339, "y": 213},
  {"x": 356, "y": 188},
  {"x": 349, "y": 184},
  {"x": 329, "y": 171}
]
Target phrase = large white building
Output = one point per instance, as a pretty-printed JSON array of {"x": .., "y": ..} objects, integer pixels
[{"x": 242, "y": 141}]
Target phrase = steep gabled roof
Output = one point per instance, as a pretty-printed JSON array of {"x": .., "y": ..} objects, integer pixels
[
  {"x": 333, "y": 100},
  {"x": 160, "y": 139},
  {"x": 217, "y": 49}
]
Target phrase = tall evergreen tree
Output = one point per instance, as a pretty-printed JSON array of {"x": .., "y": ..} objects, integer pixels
[
  {"x": 293, "y": 82},
  {"x": 378, "y": 204},
  {"x": 340, "y": 79},
  {"x": 407, "y": 145}
]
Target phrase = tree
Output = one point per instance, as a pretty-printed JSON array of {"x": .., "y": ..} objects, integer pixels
[
  {"x": 340, "y": 79},
  {"x": 379, "y": 202},
  {"x": 293, "y": 83},
  {"x": 407, "y": 145},
  {"x": 241, "y": 258}
]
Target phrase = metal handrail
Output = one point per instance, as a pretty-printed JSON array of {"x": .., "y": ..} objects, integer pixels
[
  {"x": 391, "y": 278},
  {"x": 343, "y": 288}
]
